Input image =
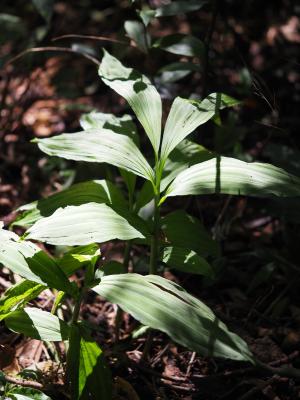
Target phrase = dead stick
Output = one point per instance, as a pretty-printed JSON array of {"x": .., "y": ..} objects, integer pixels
[{"x": 23, "y": 382}]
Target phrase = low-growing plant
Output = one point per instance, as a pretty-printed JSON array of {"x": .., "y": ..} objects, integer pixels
[{"x": 97, "y": 211}]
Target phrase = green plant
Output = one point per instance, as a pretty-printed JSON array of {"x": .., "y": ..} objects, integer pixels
[{"x": 97, "y": 211}]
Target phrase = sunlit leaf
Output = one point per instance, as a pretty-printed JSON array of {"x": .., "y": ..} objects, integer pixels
[
  {"x": 37, "y": 324},
  {"x": 136, "y": 31},
  {"x": 138, "y": 91},
  {"x": 79, "y": 257},
  {"x": 96, "y": 145},
  {"x": 18, "y": 295},
  {"x": 185, "y": 154},
  {"x": 79, "y": 225},
  {"x": 100, "y": 191},
  {"x": 146, "y": 15},
  {"x": 186, "y": 115},
  {"x": 123, "y": 125},
  {"x": 231, "y": 176},
  {"x": 163, "y": 305},
  {"x": 30, "y": 262},
  {"x": 186, "y": 260},
  {"x": 181, "y": 44},
  {"x": 25, "y": 393}
]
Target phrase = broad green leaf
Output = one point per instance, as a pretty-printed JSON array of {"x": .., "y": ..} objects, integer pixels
[
  {"x": 79, "y": 225},
  {"x": 88, "y": 373},
  {"x": 146, "y": 15},
  {"x": 79, "y": 257},
  {"x": 29, "y": 261},
  {"x": 98, "y": 145},
  {"x": 98, "y": 191},
  {"x": 37, "y": 324},
  {"x": 186, "y": 260},
  {"x": 136, "y": 31},
  {"x": 139, "y": 93},
  {"x": 163, "y": 305},
  {"x": 123, "y": 125},
  {"x": 232, "y": 176},
  {"x": 45, "y": 8},
  {"x": 179, "y": 7},
  {"x": 186, "y": 115},
  {"x": 175, "y": 71},
  {"x": 185, "y": 154},
  {"x": 183, "y": 230},
  {"x": 18, "y": 295},
  {"x": 181, "y": 44},
  {"x": 112, "y": 267},
  {"x": 25, "y": 393}
]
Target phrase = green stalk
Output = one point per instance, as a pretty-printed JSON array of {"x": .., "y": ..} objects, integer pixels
[
  {"x": 154, "y": 252},
  {"x": 77, "y": 306},
  {"x": 155, "y": 238}
]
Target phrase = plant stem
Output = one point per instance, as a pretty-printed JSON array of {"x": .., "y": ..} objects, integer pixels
[
  {"x": 77, "y": 306},
  {"x": 155, "y": 238}
]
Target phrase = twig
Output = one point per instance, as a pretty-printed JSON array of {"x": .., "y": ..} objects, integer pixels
[
  {"x": 155, "y": 373},
  {"x": 52, "y": 48},
  {"x": 190, "y": 364},
  {"x": 24, "y": 382},
  {"x": 92, "y": 37},
  {"x": 159, "y": 355}
]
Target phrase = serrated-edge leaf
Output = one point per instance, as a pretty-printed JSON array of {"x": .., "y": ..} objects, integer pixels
[
  {"x": 139, "y": 92},
  {"x": 160, "y": 304},
  {"x": 231, "y": 176}
]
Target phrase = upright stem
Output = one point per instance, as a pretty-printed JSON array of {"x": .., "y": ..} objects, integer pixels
[
  {"x": 155, "y": 238},
  {"x": 77, "y": 306}
]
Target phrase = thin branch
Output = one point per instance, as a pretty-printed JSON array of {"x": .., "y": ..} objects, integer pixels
[
  {"x": 92, "y": 37},
  {"x": 52, "y": 48},
  {"x": 24, "y": 382}
]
